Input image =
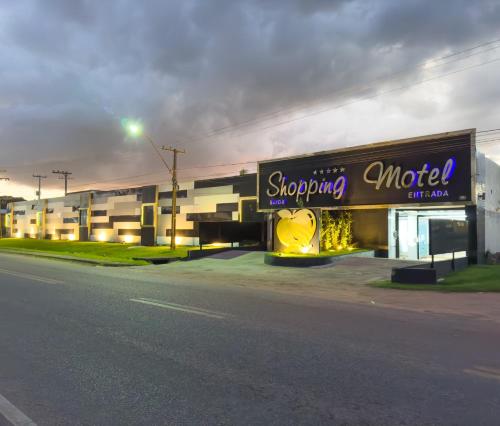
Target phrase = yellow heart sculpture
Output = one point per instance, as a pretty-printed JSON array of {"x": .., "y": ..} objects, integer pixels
[{"x": 296, "y": 229}]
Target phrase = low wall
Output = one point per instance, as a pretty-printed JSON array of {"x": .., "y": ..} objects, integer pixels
[
  {"x": 308, "y": 261},
  {"x": 425, "y": 273}
]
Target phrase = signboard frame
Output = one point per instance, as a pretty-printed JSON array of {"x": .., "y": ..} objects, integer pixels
[
  {"x": 403, "y": 143},
  {"x": 441, "y": 243}
]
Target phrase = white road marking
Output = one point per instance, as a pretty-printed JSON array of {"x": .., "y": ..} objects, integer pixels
[
  {"x": 13, "y": 414},
  {"x": 182, "y": 308},
  {"x": 485, "y": 372},
  {"x": 30, "y": 277}
]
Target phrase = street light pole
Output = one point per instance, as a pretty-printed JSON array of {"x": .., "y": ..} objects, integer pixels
[
  {"x": 1, "y": 224},
  {"x": 135, "y": 130},
  {"x": 174, "y": 151}
]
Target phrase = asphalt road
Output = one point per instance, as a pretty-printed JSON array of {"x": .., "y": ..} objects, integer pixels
[{"x": 116, "y": 346}]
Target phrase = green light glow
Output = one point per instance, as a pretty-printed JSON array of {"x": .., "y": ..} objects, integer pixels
[{"x": 133, "y": 128}]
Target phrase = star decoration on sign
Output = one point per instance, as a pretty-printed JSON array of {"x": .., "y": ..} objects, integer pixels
[{"x": 329, "y": 170}]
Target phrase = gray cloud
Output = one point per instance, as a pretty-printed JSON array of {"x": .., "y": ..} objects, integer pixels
[{"x": 70, "y": 70}]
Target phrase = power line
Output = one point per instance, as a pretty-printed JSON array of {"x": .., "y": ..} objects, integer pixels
[
  {"x": 111, "y": 181},
  {"x": 220, "y": 165},
  {"x": 212, "y": 166},
  {"x": 320, "y": 111},
  {"x": 488, "y": 141},
  {"x": 65, "y": 175},
  {"x": 159, "y": 172},
  {"x": 266, "y": 117},
  {"x": 185, "y": 178},
  {"x": 352, "y": 102},
  {"x": 486, "y": 131},
  {"x": 217, "y": 132}
]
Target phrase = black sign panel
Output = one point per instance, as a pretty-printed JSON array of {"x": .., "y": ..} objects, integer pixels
[
  {"x": 249, "y": 212},
  {"x": 435, "y": 170},
  {"x": 447, "y": 236}
]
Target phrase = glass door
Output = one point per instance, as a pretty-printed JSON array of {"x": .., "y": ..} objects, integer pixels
[{"x": 423, "y": 237}]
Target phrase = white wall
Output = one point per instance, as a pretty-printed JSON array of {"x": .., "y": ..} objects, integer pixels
[{"x": 492, "y": 206}]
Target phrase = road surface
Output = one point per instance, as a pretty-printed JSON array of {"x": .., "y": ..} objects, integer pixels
[{"x": 83, "y": 345}]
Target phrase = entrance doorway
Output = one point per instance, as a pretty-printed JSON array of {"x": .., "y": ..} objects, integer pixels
[{"x": 409, "y": 232}]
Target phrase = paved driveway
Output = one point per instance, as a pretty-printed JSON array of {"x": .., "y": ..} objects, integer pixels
[
  {"x": 346, "y": 281},
  {"x": 249, "y": 269}
]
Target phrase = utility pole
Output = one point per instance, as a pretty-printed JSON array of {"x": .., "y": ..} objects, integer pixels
[
  {"x": 1, "y": 224},
  {"x": 39, "y": 177},
  {"x": 175, "y": 151},
  {"x": 65, "y": 174}
]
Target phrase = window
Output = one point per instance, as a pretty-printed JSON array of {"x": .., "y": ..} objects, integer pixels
[
  {"x": 83, "y": 217},
  {"x": 148, "y": 215},
  {"x": 168, "y": 210}
]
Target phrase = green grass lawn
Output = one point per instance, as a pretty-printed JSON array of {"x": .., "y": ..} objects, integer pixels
[
  {"x": 107, "y": 252},
  {"x": 477, "y": 278}
]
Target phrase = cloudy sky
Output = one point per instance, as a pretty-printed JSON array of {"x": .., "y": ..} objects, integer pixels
[{"x": 233, "y": 81}]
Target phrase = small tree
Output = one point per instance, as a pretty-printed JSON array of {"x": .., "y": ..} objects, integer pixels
[
  {"x": 326, "y": 230},
  {"x": 336, "y": 231},
  {"x": 345, "y": 226}
]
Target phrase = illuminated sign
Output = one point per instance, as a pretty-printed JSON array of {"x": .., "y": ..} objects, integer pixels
[
  {"x": 433, "y": 170},
  {"x": 296, "y": 229},
  {"x": 280, "y": 186}
]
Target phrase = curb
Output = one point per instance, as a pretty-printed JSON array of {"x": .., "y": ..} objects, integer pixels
[
  {"x": 307, "y": 262},
  {"x": 67, "y": 258}
]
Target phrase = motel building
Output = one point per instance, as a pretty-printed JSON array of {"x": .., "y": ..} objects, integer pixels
[{"x": 407, "y": 199}]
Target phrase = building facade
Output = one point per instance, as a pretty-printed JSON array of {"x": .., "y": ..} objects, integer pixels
[
  {"x": 396, "y": 193},
  {"x": 4, "y": 210},
  {"x": 220, "y": 210},
  {"x": 403, "y": 196}
]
